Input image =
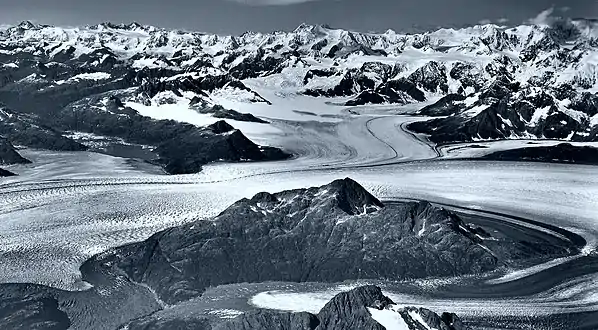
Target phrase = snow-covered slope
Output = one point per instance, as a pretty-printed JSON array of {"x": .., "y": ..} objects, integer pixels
[{"x": 526, "y": 81}]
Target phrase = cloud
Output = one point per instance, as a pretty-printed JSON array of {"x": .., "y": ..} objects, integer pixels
[
  {"x": 270, "y": 2},
  {"x": 543, "y": 18},
  {"x": 489, "y": 21}
]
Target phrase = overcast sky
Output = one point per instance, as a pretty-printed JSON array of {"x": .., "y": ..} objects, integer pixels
[{"x": 235, "y": 17}]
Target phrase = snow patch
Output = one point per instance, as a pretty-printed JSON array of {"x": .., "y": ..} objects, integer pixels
[
  {"x": 226, "y": 313},
  {"x": 474, "y": 111},
  {"x": 539, "y": 114},
  {"x": 388, "y": 318},
  {"x": 415, "y": 316}
]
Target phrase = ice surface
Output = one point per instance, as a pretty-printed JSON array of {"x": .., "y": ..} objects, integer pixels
[
  {"x": 102, "y": 202},
  {"x": 66, "y": 207}
]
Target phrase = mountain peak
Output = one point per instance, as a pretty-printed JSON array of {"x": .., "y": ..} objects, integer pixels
[
  {"x": 220, "y": 127},
  {"x": 303, "y": 27},
  {"x": 27, "y": 25},
  {"x": 352, "y": 197},
  {"x": 365, "y": 296}
]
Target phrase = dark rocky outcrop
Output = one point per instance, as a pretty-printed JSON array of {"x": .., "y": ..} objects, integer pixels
[
  {"x": 444, "y": 107},
  {"x": 220, "y": 127},
  {"x": 200, "y": 86},
  {"x": 218, "y": 111},
  {"x": 366, "y": 97},
  {"x": 328, "y": 234},
  {"x": 561, "y": 153},
  {"x": 187, "y": 153},
  {"x": 349, "y": 309},
  {"x": 431, "y": 77},
  {"x": 351, "y": 83},
  {"x": 5, "y": 173},
  {"x": 256, "y": 65},
  {"x": 182, "y": 148},
  {"x": 393, "y": 88},
  {"x": 318, "y": 73},
  {"x": 504, "y": 110},
  {"x": 362, "y": 80},
  {"x": 468, "y": 74},
  {"x": 268, "y": 320},
  {"x": 9, "y": 155},
  {"x": 399, "y": 91}
]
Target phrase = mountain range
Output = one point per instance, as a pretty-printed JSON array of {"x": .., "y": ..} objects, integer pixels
[{"x": 484, "y": 82}]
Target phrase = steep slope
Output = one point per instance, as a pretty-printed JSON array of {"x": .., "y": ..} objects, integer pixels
[
  {"x": 9, "y": 155},
  {"x": 37, "y": 307}
]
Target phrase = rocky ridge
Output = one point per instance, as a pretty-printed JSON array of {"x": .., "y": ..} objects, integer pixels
[
  {"x": 331, "y": 233},
  {"x": 561, "y": 153}
]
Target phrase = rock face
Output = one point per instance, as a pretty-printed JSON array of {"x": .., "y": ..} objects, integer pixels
[
  {"x": 8, "y": 154},
  {"x": 331, "y": 233},
  {"x": 561, "y": 153},
  {"x": 347, "y": 310},
  {"x": 400, "y": 91},
  {"x": 327, "y": 234},
  {"x": 446, "y": 106},
  {"x": 359, "y": 309}
]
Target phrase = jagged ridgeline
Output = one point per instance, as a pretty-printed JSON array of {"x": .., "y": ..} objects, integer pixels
[{"x": 493, "y": 82}]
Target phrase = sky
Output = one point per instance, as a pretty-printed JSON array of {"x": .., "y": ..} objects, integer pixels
[{"x": 237, "y": 16}]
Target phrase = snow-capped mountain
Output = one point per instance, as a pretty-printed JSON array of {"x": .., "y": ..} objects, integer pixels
[{"x": 492, "y": 82}]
